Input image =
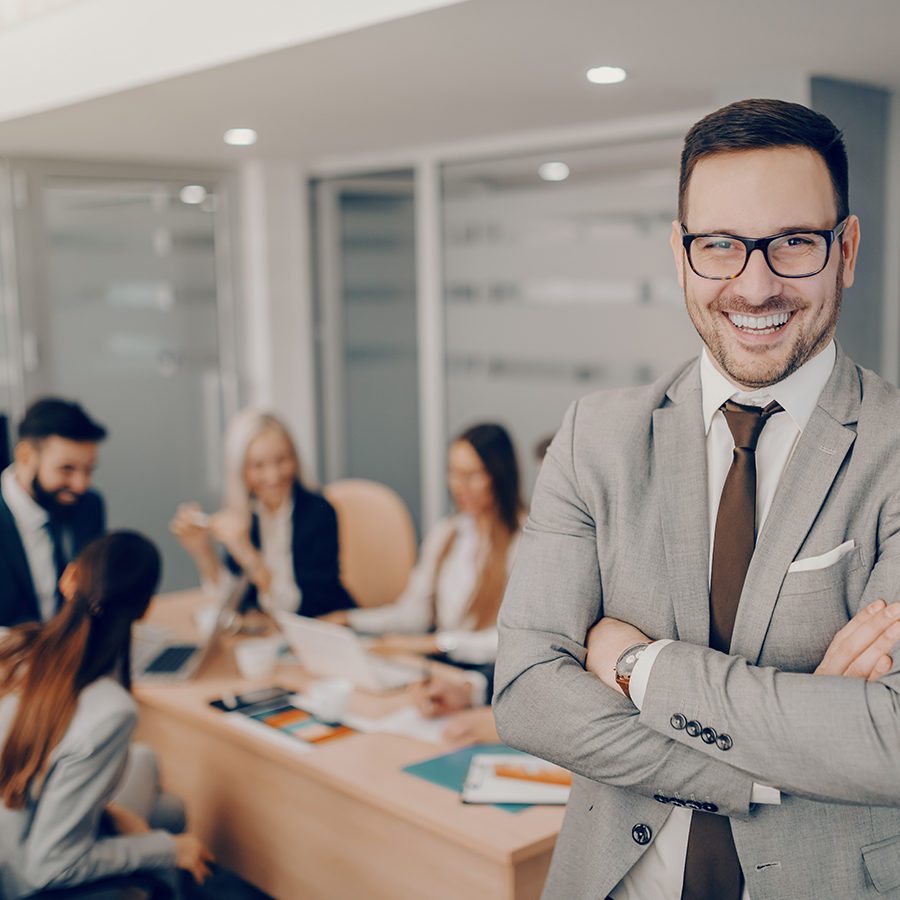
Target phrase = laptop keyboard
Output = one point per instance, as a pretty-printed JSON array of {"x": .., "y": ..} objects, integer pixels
[{"x": 171, "y": 659}]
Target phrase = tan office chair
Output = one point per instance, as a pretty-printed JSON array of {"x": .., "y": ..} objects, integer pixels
[{"x": 376, "y": 538}]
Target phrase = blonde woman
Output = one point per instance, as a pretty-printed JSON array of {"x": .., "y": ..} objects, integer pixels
[
  {"x": 451, "y": 602},
  {"x": 281, "y": 534}
]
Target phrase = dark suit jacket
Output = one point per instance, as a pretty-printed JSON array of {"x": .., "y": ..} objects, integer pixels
[
  {"x": 314, "y": 545},
  {"x": 18, "y": 600}
]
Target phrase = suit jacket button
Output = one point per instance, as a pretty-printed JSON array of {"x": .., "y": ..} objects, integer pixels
[
  {"x": 693, "y": 804},
  {"x": 724, "y": 742},
  {"x": 677, "y": 801},
  {"x": 641, "y": 834},
  {"x": 708, "y": 735},
  {"x": 710, "y": 807},
  {"x": 660, "y": 798},
  {"x": 678, "y": 721},
  {"x": 693, "y": 728}
]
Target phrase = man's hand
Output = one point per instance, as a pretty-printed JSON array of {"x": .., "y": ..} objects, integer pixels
[
  {"x": 861, "y": 649},
  {"x": 440, "y": 696},
  {"x": 472, "y": 726},
  {"x": 606, "y": 642}
]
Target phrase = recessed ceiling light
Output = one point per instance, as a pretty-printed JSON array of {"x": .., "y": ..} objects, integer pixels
[
  {"x": 192, "y": 194},
  {"x": 606, "y": 75},
  {"x": 553, "y": 171},
  {"x": 240, "y": 137}
]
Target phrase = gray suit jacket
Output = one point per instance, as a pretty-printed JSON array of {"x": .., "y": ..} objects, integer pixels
[
  {"x": 619, "y": 527},
  {"x": 56, "y": 841}
]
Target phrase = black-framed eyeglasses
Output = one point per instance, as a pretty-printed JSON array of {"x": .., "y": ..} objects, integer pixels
[{"x": 790, "y": 254}]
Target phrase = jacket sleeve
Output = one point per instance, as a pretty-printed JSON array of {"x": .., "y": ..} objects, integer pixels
[
  {"x": 545, "y": 702},
  {"x": 828, "y": 738},
  {"x": 62, "y": 847}
]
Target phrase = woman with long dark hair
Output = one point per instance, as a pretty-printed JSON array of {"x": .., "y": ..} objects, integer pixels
[
  {"x": 451, "y": 602},
  {"x": 66, "y": 719}
]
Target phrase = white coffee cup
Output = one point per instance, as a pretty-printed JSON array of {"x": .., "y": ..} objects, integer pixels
[
  {"x": 328, "y": 699},
  {"x": 256, "y": 657}
]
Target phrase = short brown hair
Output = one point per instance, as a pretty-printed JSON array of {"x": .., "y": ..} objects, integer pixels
[{"x": 762, "y": 124}]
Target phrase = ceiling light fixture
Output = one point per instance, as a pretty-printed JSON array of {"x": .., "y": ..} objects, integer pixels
[
  {"x": 606, "y": 75},
  {"x": 553, "y": 171},
  {"x": 240, "y": 137},
  {"x": 192, "y": 194}
]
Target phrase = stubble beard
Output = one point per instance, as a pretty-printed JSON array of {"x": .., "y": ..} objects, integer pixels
[{"x": 766, "y": 372}]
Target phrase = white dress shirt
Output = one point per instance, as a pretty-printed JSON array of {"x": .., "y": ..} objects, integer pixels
[
  {"x": 412, "y": 611},
  {"x": 31, "y": 519},
  {"x": 276, "y": 533},
  {"x": 659, "y": 873}
]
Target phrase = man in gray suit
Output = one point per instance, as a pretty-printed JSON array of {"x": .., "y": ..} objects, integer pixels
[{"x": 696, "y": 623}]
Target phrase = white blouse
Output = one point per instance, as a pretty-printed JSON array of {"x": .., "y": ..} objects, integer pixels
[
  {"x": 412, "y": 611},
  {"x": 275, "y": 538}
]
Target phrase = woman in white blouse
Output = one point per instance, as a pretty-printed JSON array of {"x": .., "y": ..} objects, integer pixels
[
  {"x": 280, "y": 534},
  {"x": 451, "y": 602}
]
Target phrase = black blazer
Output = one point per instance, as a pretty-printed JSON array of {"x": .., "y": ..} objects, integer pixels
[
  {"x": 18, "y": 599},
  {"x": 314, "y": 546}
]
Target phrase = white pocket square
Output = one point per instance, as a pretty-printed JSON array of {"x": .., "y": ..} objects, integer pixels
[{"x": 811, "y": 563}]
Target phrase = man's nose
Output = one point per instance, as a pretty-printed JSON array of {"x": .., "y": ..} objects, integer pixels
[
  {"x": 757, "y": 283},
  {"x": 79, "y": 482}
]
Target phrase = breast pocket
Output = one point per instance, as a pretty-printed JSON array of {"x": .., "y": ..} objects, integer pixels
[
  {"x": 812, "y": 607},
  {"x": 837, "y": 577}
]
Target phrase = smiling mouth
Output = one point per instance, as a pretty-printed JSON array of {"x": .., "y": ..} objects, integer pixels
[{"x": 760, "y": 325}]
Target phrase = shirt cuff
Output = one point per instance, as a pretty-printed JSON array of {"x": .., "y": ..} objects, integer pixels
[
  {"x": 640, "y": 675},
  {"x": 479, "y": 687},
  {"x": 762, "y": 793}
]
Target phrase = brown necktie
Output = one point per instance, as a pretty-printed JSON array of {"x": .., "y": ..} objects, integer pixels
[{"x": 712, "y": 870}]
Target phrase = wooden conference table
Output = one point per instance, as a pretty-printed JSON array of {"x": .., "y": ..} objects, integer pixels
[{"x": 342, "y": 821}]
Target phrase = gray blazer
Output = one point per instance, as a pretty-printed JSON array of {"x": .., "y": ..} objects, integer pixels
[
  {"x": 55, "y": 841},
  {"x": 619, "y": 527}
]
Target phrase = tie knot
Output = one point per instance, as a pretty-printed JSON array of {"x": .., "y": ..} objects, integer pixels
[{"x": 746, "y": 422}]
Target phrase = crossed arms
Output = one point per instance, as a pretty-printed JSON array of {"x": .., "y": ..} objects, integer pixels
[{"x": 834, "y": 739}]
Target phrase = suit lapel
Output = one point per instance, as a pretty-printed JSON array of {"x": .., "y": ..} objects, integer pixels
[
  {"x": 11, "y": 541},
  {"x": 801, "y": 493},
  {"x": 679, "y": 452}
]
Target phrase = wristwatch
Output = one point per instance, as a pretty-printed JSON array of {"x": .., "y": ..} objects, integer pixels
[{"x": 625, "y": 666}]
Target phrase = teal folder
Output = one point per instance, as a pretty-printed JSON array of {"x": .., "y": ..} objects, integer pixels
[{"x": 450, "y": 770}]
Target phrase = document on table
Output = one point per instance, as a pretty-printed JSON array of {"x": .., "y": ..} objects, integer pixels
[{"x": 407, "y": 721}]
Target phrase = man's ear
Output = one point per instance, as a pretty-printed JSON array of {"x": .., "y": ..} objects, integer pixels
[
  {"x": 26, "y": 455},
  {"x": 849, "y": 247},
  {"x": 678, "y": 251}
]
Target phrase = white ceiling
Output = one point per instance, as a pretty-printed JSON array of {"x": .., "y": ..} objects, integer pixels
[{"x": 480, "y": 68}]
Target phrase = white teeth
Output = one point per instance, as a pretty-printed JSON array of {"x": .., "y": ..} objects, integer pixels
[{"x": 761, "y": 324}]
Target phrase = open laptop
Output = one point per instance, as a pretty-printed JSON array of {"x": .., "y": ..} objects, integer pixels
[
  {"x": 156, "y": 657},
  {"x": 324, "y": 648}
]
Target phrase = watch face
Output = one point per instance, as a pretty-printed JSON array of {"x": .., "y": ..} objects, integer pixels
[{"x": 628, "y": 660}]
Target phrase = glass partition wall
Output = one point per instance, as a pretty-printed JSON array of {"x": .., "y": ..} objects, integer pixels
[
  {"x": 120, "y": 286},
  {"x": 549, "y": 289},
  {"x": 555, "y": 288},
  {"x": 368, "y": 357}
]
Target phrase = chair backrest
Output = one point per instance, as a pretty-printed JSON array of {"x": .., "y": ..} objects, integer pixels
[{"x": 377, "y": 539}]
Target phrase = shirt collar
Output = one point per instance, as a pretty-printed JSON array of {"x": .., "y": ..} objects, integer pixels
[
  {"x": 282, "y": 514},
  {"x": 798, "y": 393},
  {"x": 28, "y": 513}
]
